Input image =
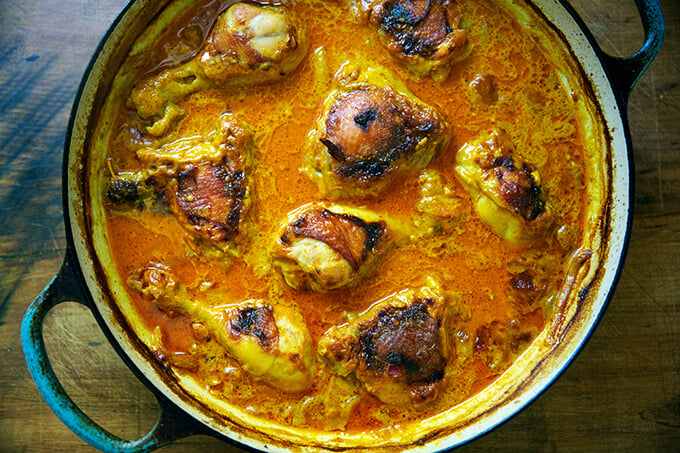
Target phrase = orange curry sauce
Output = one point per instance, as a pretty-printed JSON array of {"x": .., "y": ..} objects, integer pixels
[{"x": 471, "y": 260}]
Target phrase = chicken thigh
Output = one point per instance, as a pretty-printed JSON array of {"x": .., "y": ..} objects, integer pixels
[
  {"x": 371, "y": 131},
  {"x": 506, "y": 191},
  {"x": 326, "y": 247},
  {"x": 399, "y": 348},
  {"x": 204, "y": 181},
  {"x": 424, "y": 34}
]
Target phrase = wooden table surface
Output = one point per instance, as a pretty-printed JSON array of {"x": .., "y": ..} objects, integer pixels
[{"x": 622, "y": 393}]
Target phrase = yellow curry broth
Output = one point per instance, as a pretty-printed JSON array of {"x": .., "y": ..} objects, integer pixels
[{"x": 534, "y": 107}]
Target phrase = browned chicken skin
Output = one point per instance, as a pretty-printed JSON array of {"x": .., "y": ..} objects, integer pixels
[
  {"x": 425, "y": 34},
  {"x": 404, "y": 342},
  {"x": 270, "y": 342},
  {"x": 248, "y": 44},
  {"x": 369, "y": 129},
  {"x": 368, "y": 134},
  {"x": 324, "y": 248},
  {"x": 399, "y": 348},
  {"x": 248, "y": 38},
  {"x": 203, "y": 179},
  {"x": 257, "y": 322},
  {"x": 506, "y": 191},
  {"x": 211, "y": 199},
  {"x": 348, "y": 235},
  {"x": 517, "y": 186}
]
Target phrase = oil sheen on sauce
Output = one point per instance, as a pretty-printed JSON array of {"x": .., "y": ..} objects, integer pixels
[{"x": 472, "y": 261}]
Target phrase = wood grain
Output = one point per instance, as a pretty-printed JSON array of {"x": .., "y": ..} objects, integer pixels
[{"x": 622, "y": 393}]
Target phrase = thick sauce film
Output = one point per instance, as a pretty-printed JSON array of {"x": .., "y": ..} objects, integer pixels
[{"x": 403, "y": 274}]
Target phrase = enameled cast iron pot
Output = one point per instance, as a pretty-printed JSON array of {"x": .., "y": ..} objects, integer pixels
[{"x": 80, "y": 279}]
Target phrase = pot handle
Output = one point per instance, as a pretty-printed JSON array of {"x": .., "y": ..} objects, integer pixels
[
  {"x": 624, "y": 72},
  {"x": 66, "y": 286}
]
